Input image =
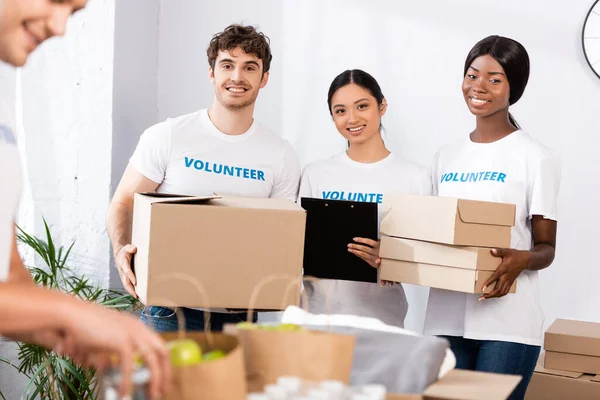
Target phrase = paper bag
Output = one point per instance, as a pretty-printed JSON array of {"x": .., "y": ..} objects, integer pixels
[
  {"x": 222, "y": 379},
  {"x": 310, "y": 355}
]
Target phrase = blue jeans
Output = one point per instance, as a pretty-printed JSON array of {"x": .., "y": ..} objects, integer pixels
[
  {"x": 499, "y": 357},
  {"x": 163, "y": 319}
]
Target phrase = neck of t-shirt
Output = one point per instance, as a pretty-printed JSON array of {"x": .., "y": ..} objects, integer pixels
[
  {"x": 500, "y": 142},
  {"x": 207, "y": 118},
  {"x": 357, "y": 164},
  {"x": 231, "y": 122}
]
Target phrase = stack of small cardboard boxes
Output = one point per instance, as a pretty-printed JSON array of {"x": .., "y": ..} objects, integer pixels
[
  {"x": 570, "y": 367},
  {"x": 443, "y": 242}
]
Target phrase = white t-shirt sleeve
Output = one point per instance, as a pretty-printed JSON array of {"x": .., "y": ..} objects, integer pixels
[
  {"x": 434, "y": 178},
  {"x": 305, "y": 186},
  {"x": 425, "y": 187},
  {"x": 288, "y": 178},
  {"x": 545, "y": 185},
  {"x": 151, "y": 155}
]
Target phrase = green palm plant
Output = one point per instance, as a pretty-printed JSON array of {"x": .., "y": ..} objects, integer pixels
[{"x": 52, "y": 376}]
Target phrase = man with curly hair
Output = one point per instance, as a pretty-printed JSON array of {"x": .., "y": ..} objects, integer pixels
[{"x": 221, "y": 149}]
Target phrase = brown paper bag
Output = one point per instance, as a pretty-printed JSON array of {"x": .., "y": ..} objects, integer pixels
[
  {"x": 310, "y": 355},
  {"x": 222, "y": 379}
]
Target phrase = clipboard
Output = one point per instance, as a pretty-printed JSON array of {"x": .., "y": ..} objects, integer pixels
[{"x": 330, "y": 226}]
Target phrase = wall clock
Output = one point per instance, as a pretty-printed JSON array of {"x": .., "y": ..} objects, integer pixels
[{"x": 590, "y": 37}]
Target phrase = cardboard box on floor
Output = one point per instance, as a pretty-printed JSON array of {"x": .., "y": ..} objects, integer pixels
[
  {"x": 447, "y": 220},
  {"x": 573, "y": 346},
  {"x": 549, "y": 384},
  {"x": 227, "y": 244},
  {"x": 467, "y": 385},
  {"x": 462, "y": 269}
]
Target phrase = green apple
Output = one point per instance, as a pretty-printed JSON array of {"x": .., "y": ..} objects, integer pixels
[
  {"x": 213, "y": 355},
  {"x": 246, "y": 325},
  {"x": 184, "y": 352},
  {"x": 289, "y": 328}
]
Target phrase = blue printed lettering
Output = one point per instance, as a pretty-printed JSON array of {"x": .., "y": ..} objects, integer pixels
[
  {"x": 473, "y": 176},
  {"x": 221, "y": 169},
  {"x": 353, "y": 196}
]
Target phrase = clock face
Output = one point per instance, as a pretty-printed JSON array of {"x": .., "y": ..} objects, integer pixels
[{"x": 591, "y": 38}]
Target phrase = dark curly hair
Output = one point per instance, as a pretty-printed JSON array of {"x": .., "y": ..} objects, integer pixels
[{"x": 245, "y": 37}]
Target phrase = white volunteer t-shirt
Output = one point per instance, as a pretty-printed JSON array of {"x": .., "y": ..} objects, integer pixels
[
  {"x": 189, "y": 155},
  {"x": 516, "y": 170},
  {"x": 10, "y": 176},
  {"x": 341, "y": 178}
]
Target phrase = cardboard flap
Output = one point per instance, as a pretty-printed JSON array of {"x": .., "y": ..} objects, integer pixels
[
  {"x": 595, "y": 378},
  {"x": 169, "y": 198},
  {"x": 472, "y": 385},
  {"x": 567, "y": 374},
  {"x": 486, "y": 213},
  {"x": 258, "y": 203}
]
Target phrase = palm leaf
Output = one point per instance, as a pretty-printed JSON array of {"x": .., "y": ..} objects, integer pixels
[
  {"x": 35, "y": 376},
  {"x": 39, "y": 387},
  {"x": 73, "y": 371}
]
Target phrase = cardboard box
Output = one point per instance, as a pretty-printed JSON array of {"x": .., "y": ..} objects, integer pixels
[
  {"x": 448, "y": 220},
  {"x": 467, "y": 385},
  {"x": 548, "y": 384},
  {"x": 226, "y": 244},
  {"x": 573, "y": 346},
  {"x": 462, "y": 269}
]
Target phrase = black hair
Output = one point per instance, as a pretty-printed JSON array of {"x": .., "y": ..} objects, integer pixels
[
  {"x": 358, "y": 77},
  {"x": 513, "y": 58}
]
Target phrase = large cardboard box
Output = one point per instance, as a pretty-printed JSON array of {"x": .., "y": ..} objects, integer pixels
[
  {"x": 227, "y": 244},
  {"x": 462, "y": 269},
  {"x": 448, "y": 220},
  {"x": 573, "y": 346},
  {"x": 467, "y": 385},
  {"x": 549, "y": 384}
]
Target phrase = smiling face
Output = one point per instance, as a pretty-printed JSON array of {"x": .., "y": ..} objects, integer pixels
[
  {"x": 237, "y": 77},
  {"x": 25, "y": 24},
  {"x": 356, "y": 114},
  {"x": 485, "y": 87}
]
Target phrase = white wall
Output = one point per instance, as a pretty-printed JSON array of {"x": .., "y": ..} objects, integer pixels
[
  {"x": 135, "y": 106},
  {"x": 65, "y": 137},
  {"x": 416, "y": 50}
]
